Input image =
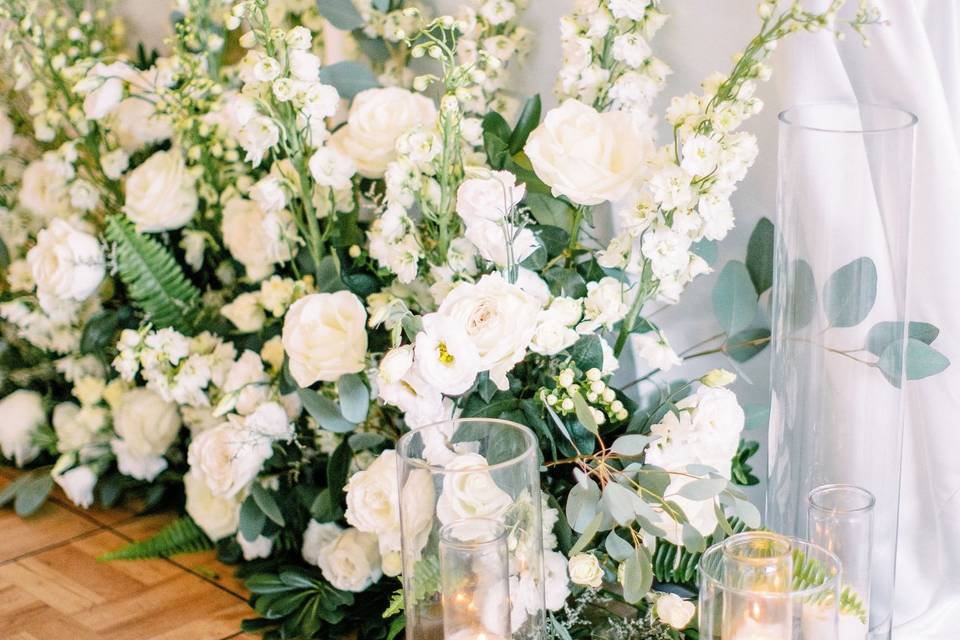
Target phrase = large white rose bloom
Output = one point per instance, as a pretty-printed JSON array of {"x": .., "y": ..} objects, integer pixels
[
  {"x": 218, "y": 517},
  {"x": 66, "y": 263},
  {"x": 258, "y": 239},
  {"x": 489, "y": 198},
  {"x": 498, "y": 317},
  {"x": 351, "y": 562},
  {"x": 377, "y": 118},
  {"x": 146, "y": 426},
  {"x": 21, "y": 414},
  {"x": 325, "y": 337},
  {"x": 469, "y": 491},
  {"x": 161, "y": 194},
  {"x": 317, "y": 538},
  {"x": 587, "y": 156},
  {"x": 228, "y": 458},
  {"x": 43, "y": 188}
]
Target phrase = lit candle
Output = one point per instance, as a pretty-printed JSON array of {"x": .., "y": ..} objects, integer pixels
[
  {"x": 474, "y": 634},
  {"x": 753, "y": 630}
]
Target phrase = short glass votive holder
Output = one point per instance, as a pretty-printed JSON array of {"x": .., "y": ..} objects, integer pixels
[
  {"x": 840, "y": 519},
  {"x": 762, "y": 586}
]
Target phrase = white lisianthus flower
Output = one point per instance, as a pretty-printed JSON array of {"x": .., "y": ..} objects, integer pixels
[
  {"x": 332, "y": 168},
  {"x": 228, "y": 458},
  {"x": 256, "y": 238},
  {"x": 325, "y": 337},
  {"x": 161, "y": 194},
  {"x": 43, "y": 188},
  {"x": 654, "y": 349},
  {"x": 259, "y": 547},
  {"x": 675, "y": 611},
  {"x": 377, "y": 118},
  {"x": 21, "y": 414},
  {"x": 351, "y": 562},
  {"x": 490, "y": 239},
  {"x": 317, "y": 537},
  {"x": 446, "y": 358},
  {"x": 77, "y": 483},
  {"x": 219, "y": 517},
  {"x": 585, "y": 570},
  {"x": 137, "y": 124},
  {"x": 67, "y": 263},
  {"x": 605, "y": 305},
  {"x": 146, "y": 426},
  {"x": 588, "y": 156},
  {"x": 497, "y": 317},
  {"x": 489, "y": 198},
  {"x": 245, "y": 313},
  {"x": 469, "y": 491},
  {"x": 103, "y": 88}
]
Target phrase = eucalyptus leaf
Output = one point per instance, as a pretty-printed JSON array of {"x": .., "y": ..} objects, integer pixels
[
  {"x": 588, "y": 534},
  {"x": 757, "y": 415},
  {"x": 365, "y": 440},
  {"x": 637, "y": 576},
  {"x": 702, "y": 488},
  {"x": 746, "y": 511},
  {"x": 354, "y": 397},
  {"x": 709, "y": 250},
  {"x": 618, "y": 501},
  {"x": 631, "y": 445},
  {"x": 734, "y": 298},
  {"x": 33, "y": 494},
  {"x": 618, "y": 548},
  {"x": 883, "y": 333},
  {"x": 349, "y": 77},
  {"x": 850, "y": 293},
  {"x": 324, "y": 411},
  {"x": 584, "y": 414},
  {"x": 266, "y": 503},
  {"x": 252, "y": 519},
  {"x": 748, "y": 343},
  {"x": 922, "y": 360},
  {"x": 692, "y": 539},
  {"x": 760, "y": 255},
  {"x": 341, "y": 13},
  {"x": 801, "y": 292},
  {"x": 583, "y": 503}
]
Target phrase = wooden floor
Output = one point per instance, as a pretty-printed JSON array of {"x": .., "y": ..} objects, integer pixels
[{"x": 53, "y": 588}]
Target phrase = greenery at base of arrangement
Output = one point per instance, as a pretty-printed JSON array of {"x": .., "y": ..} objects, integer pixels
[{"x": 180, "y": 536}]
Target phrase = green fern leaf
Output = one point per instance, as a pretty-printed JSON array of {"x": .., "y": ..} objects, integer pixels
[
  {"x": 154, "y": 280},
  {"x": 676, "y": 565},
  {"x": 180, "y": 536},
  {"x": 808, "y": 573}
]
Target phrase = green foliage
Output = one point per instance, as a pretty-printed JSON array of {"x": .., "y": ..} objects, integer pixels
[
  {"x": 808, "y": 573},
  {"x": 803, "y": 295},
  {"x": 741, "y": 471},
  {"x": 760, "y": 255},
  {"x": 354, "y": 398},
  {"x": 676, "y": 565},
  {"x": 325, "y": 411},
  {"x": 341, "y": 13},
  {"x": 850, "y": 293},
  {"x": 922, "y": 361},
  {"x": 28, "y": 492},
  {"x": 296, "y": 602},
  {"x": 349, "y": 77},
  {"x": 154, "y": 280},
  {"x": 180, "y": 536},
  {"x": 748, "y": 343},
  {"x": 734, "y": 298},
  {"x": 883, "y": 333},
  {"x": 526, "y": 123}
]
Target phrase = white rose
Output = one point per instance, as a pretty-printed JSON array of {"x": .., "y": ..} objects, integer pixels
[
  {"x": 71, "y": 432},
  {"x": 395, "y": 364},
  {"x": 219, "y": 517},
  {"x": 21, "y": 414},
  {"x": 373, "y": 497},
  {"x": 351, "y": 562},
  {"x": 258, "y": 239},
  {"x": 325, "y": 337},
  {"x": 259, "y": 547},
  {"x": 674, "y": 610},
  {"x": 247, "y": 379},
  {"x": 498, "y": 318},
  {"x": 332, "y": 168},
  {"x": 446, "y": 358},
  {"x": 245, "y": 313},
  {"x": 160, "y": 194},
  {"x": 471, "y": 492},
  {"x": 146, "y": 422},
  {"x": 137, "y": 124},
  {"x": 103, "y": 87},
  {"x": 6, "y": 132},
  {"x": 66, "y": 263},
  {"x": 585, "y": 570},
  {"x": 589, "y": 157},
  {"x": 653, "y": 348},
  {"x": 43, "y": 188},
  {"x": 552, "y": 336},
  {"x": 489, "y": 198},
  {"x": 317, "y": 537},
  {"x": 377, "y": 118},
  {"x": 228, "y": 458},
  {"x": 77, "y": 483},
  {"x": 490, "y": 239},
  {"x": 135, "y": 465},
  {"x": 303, "y": 65}
]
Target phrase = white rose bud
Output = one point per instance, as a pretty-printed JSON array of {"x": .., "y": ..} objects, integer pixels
[
  {"x": 77, "y": 483},
  {"x": 585, "y": 570},
  {"x": 718, "y": 378},
  {"x": 674, "y": 610}
]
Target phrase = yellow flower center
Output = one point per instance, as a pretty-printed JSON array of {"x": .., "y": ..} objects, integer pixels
[{"x": 445, "y": 356}]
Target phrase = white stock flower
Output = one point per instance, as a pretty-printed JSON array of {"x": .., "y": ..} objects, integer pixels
[
  {"x": 325, "y": 337},
  {"x": 653, "y": 348},
  {"x": 161, "y": 193},
  {"x": 589, "y": 157},
  {"x": 675, "y": 611},
  {"x": 446, "y": 357},
  {"x": 700, "y": 155},
  {"x": 498, "y": 318},
  {"x": 257, "y": 239},
  {"x": 219, "y": 517},
  {"x": 377, "y": 118},
  {"x": 332, "y": 168},
  {"x": 585, "y": 570},
  {"x": 66, "y": 263},
  {"x": 146, "y": 426},
  {"x": 605, "y": 304},
  {"x": 351, "y": 562},
  {"x": 304, "y": 66},
  {"x": 469, "y": 491},
  {"x": 630, "y": 9},
  {"x": 77, "y": 483},
  {"x": 489, "y": 198},
  {"x": 631, "y": 49},
  {"x": 21, "y": 414},
  {"x": 257, "y": 136}
]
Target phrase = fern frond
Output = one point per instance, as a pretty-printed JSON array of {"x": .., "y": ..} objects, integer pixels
[
  {"x": 154, "y": 280},
  {"x": 676, "y": 565},
  {"x": 180, "y": 536},
  {"x": 808, "y": 573}
]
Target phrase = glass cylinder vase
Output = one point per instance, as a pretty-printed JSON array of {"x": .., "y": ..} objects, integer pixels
[
  {"x": 756, "y": 587},
  {"x": 462, "y": 481},
  {"x": 839, "y": 319}
]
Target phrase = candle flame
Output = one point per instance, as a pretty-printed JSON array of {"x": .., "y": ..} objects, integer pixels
[{"x": 755, "y": 611}]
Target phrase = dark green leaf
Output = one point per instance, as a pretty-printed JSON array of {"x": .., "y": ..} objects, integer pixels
[
  {"x": 325, "y": 412},
  {"x": 354, "y": 397},
  {"x": 760, "y": 255},
  {"x": 338, "y": 468},
  {"x": 746, "y": 344},
  {"x": 99, "y": 331},
  {"x": 587, "y": 353},
  {"x": 527, "y": 122},
  {"x": 341, "y": 13},
  {"x": 734, "y": 298},
  {"x": 548, "y": 210},
  {"x": 496, "y": 139},
  {"x": 266, "y": 503},
  {"x": 565, "y": 282},
  {"x": 252, "y": 519},
  {"x": 883, "y": 333},
  {"x": 554, "y": 238},
  {"x": 850, "y": 293},
  {"x": 263, "y": 583}
]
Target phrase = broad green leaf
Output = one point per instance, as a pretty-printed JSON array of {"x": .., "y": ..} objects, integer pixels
[
  {"x": 722, "y": 519},
  {"x": 496, "y": 139},
  {"x": 922, "y": 361},
  {"x": 883, "y": 333},
  {"x": 551, "y": 211},
  {"x": 618, "y": 548},
  {"x": 328, "y": 276},
  {"x": 801, "y": 296},
  {"x": 631, "y": 445},
  {"x": 252, "y": 519},
  {"x": 554, "y": 239},
  {"x": 365, "y": 440},
  {"x": 338, "y": 468},
  {"x": 734, "y": 298},
  {"x": 619, "y": 503},
  {"x": 748, "y": 343},
  {"x": 584, "y": 414},
  {"x": 587, "y": 536},
  {"x": 9, "y": 492},
  {"x": 637, "y": 576},
  {"x": 760, "y": 255},
  {"x": 565, "y": 282},
  {"x": 349, "y": 77},
  {"x": 266, "y": 503},
  {"x": 653, "y": 480},
  {"x": 746, "y": 511},
  {"x": 850, "y": 293},
  {"x": 709, "y": 250},
  {"x": 587, "y": 353},
  {"x": 692, "y": 539},
  {"x": 324, "y": 411},
  {"x": 583, "y": 504},
  {"x": 527, "y": 122},
  {"x": 703, "y": 488},
  {"x": 33, "y": 493},
  {"x": 99, "y": 331},
  {"x": 354, "y": 397},
  {"x": 341, "y": 13}
]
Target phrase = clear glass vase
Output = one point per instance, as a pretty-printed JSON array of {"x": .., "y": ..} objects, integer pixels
[
  {"x": 461, "y": 482},
  {"x": 839, "y": 319},
  {"x": 754, "y": 586}
]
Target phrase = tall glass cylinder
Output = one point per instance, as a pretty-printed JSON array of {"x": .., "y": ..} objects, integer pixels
[
  {"x": 839, "y": 318},
  {"x": 840, "y": 519},
  {"x": 459, "y": 481}
]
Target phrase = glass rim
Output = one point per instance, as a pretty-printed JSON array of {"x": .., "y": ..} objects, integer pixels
[
  {"x": 529, "y": 437},
  {"x": 776, "y": 538},
  {"x": 498, "y": 533},
  {"x": 870, "y": 500},
  {"x": 785, "y": 117},
  {"x": 831, "y": 583}
]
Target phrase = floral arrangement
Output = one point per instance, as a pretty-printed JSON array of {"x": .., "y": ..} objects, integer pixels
[{"x": 233, "y": 276}]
